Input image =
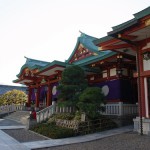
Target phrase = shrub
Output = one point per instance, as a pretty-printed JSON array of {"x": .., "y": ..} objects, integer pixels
[
  {"x": 65, "y": 116},
  {"x": 52, "y": 131},
  {"x": 77, "y": 116},
  {"x": 90, "y": 101}
]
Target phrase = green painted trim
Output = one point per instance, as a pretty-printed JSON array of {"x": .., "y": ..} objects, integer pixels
[
  {"x": 142, "y": 13},
  {"x": 129, "y": 23},
  {"x": 122, "y": 27},
  {"x": 55, "y": 62},
  {"x": 87, "y": 42},
  {"x": 15, "y": 81},
  {"x": 103, "y": 39},
  {"x": 32, "y": 64},
  {"x": 75, "y": 48},
  {"x": 93, "y": 59},
  {"x": 28, "y": 66}
]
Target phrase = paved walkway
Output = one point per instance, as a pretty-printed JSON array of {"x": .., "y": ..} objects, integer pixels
[
  {"x": 6, "y": 141},
  {"x": 9, "y": 143},
  {"x": 78, "y": 139}
]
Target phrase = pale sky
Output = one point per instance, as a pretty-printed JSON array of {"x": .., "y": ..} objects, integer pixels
[{"x": 48, "y": 29}]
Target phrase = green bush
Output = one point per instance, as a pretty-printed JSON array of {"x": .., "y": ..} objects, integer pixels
[
  {"x": 90, "y": 101},
  {"x": 65, "y": 116},
  {"x": 52, "y": 131},
  {"x": 77, "y": 116}
]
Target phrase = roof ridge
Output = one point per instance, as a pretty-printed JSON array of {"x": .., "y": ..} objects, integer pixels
[
  {"x": 28, "y": 59},
  {"x": 84, "y": 34}
]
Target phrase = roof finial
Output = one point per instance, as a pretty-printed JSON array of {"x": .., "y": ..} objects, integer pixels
[
  {"x": 80, "y": 32},
  {"x": 25, "y": 57}
]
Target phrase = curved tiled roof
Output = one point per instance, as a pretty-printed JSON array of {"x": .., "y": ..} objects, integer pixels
[
  {"x": 33, "y": 64},
  {"x": 124, "y": 25},
  {"x": 131, "y": 22},
  {"x": 88, "y": 42}
]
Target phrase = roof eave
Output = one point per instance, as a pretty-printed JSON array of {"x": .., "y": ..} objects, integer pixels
[
  {"x": 55, "y": 62},
  {"x": 121, "y": 29}
]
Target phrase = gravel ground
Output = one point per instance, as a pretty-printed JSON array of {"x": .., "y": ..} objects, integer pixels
[
  {"x": 126, "y": 141},
  {"x": 23, "y": 135}
]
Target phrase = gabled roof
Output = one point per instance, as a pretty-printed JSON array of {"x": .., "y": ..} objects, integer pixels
[
  {"x": 32, "y": 64},
  {"x": 87, "y": 42},
  {"x": 53, "y": 63},
  {"x": 131, "y": 22},
  {"x": 142, "y": 13},
  {"x": 103, "y": 39},
  {"x": 6, "y": 88},
  {"x": 124, "y": 25}
]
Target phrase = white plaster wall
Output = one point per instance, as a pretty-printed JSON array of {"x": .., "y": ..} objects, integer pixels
[
  {"x": 113, "y": 72},
  {"x": 104, "y": 73},
  {"x": 146, "y": 64}
]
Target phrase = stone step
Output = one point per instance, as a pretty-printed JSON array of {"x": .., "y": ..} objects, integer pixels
[{"x": 19, "y": 116}]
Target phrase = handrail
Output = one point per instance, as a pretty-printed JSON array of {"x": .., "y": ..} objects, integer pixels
[{"x": 45, "y": 113}]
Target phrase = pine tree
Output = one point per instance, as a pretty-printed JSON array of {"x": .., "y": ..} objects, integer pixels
[{"x": 73, "y": 82}]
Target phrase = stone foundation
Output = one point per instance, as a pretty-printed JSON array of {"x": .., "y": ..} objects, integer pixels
[
  {"x": 146, "y": 125},
  {"x": 30, "y": 123},
  {"x": 122, "y": 120}
]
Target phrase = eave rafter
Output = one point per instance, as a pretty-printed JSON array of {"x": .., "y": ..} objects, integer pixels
[
  {"x": 109, "y": 42},
  {"x": 144, "y": 22},
  {"x": 30, "y": 78},
  {"x": 113, "y": 47},
  {"x": 127, "y": 37}
]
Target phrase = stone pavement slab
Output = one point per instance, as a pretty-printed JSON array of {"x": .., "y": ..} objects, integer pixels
[
  {"x": 8, "y": 122},
  {"x": 9, "y": 143},
  {"x": 78, "y": 139},
  {"x": 12, "y": 127}
]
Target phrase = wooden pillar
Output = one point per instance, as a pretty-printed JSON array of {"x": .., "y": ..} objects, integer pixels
[
  {"x": 49, "y": 95},
  {"x": 37, "y": 94},
  {"x": 119, "y": 66},
  {"x": 141, "y": 93}
]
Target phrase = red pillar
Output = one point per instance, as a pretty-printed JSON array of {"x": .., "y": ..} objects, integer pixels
[
  {"x": 49, "y": 95},
  {"x": 37, "y": 94},
  {"x": 141, "y": 91}
]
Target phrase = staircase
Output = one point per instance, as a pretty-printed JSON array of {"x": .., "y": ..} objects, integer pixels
[{"x": 19, "y": 116}]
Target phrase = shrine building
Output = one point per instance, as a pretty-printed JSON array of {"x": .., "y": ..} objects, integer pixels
[{"x": 119, "y": 63}]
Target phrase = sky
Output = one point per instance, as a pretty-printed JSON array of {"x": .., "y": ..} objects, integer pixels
[{"x": 48, "y": 29}]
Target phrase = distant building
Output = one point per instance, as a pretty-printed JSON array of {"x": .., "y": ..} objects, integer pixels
[{"x": 6, "y": 88}]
